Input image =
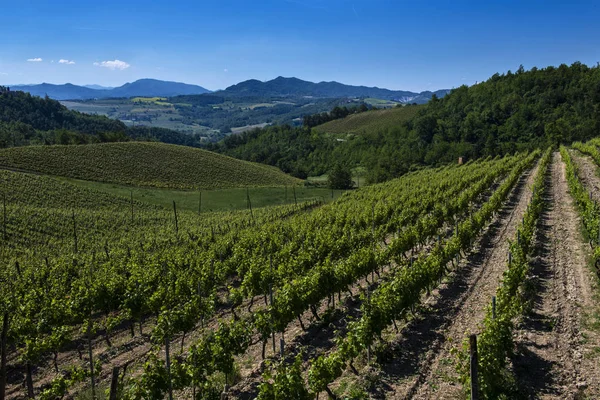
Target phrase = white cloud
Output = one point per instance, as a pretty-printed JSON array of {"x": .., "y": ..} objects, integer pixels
[
  {"x": 225, "y": 70},
  {"x": 113, "y": 65},
  {"x": 34, "y": 59},
  {"x": 63, "y": 61},
  {"x": 3, "y": 73}
]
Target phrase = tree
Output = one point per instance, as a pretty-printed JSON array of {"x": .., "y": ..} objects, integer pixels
[{"x": 340, "y": 177}]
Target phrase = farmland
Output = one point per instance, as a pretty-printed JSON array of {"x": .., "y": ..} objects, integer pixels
[
  {"x": 143, "y": 164},
  {"x": 370, "y": 121},
  {"x": 338, "y": 297},
  {"x": 213, "y": 117}
]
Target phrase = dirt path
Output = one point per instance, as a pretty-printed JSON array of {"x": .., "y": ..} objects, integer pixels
[
  {"x": 557, "y": 354},
  {"x": 423, "y": 366},
  {"x": 588, "y": 173}
]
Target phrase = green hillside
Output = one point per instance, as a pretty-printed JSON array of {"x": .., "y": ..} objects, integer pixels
[
  {"x": 512, "y": 112},
  {"x": 370, "y": 121},
  {"x": 143, "y": 164}
]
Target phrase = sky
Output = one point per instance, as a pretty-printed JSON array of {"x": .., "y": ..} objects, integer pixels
[{"x": 404, "y": 45}]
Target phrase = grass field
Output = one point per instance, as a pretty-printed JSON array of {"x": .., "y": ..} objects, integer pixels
[
  {"x": 144, "y": 164},
  {"x": 369, "y": 121},
  {"x": 213, "y": 200}
]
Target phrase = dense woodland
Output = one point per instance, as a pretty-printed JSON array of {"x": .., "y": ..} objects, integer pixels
[{"x": 507, "y": 113}]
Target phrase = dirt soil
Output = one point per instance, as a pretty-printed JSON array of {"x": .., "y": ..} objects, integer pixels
[
  {"x": 423, "y": 366},
  {"x": 558, "y": 352}
]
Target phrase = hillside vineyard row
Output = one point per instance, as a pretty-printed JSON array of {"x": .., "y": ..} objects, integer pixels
[{"x": 92, "y": 267}]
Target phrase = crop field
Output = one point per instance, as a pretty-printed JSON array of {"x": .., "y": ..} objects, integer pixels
[
  {"x": 146, "y": 111},
  {"x": 144, "y": 164},
  {"x": 370, "y": 121},
  {"x": 371, "y": 295}
]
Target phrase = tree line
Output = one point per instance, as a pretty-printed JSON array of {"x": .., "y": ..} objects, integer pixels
[{"x": 509, "y": 112}]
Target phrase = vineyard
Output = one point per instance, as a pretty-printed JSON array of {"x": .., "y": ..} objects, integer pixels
[
  {"x": 374, "y": 295},
  {"x": 144, "y": 164},
  {"x": 370, "y": 121}
]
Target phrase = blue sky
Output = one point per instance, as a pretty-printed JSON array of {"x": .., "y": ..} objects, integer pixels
[{"x": 411, "y": 45}]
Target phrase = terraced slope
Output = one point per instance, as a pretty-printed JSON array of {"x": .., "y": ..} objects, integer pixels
[
  {"x": 144, "y": 164},
  {"x": 369, "y": 121}
]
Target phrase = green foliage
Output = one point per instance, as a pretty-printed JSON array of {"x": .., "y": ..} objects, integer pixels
[
  {"x": 507, "y": 113},
  {"x": 392, "y": 298},
  {"x": 143, "y": 164},
  {"x": 340, "y": 178},
  {"x": 132, "y": 269},
  {"x": 286, "y": 383}
]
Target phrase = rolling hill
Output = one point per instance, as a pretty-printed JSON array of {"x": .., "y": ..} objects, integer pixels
[
  {"x": 370, "y": 121},
  {"x": 142, "y": 87},
  {"x": 294, "y": 87},
  {"x": 143, "y": 164}
]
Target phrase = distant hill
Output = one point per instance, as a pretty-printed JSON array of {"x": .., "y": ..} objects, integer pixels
[
  {"x": 294, "y": 87},
  {"x": 370, "y": 121},
  {"x": 27, "y": 119},
  {"x": 98, "y": 87},
  {"x": 156, "y": 88},
  {"x": 142, "y": 87},
  {"x": 511, "y": 112},
  {"x": 144, "y": 164}
]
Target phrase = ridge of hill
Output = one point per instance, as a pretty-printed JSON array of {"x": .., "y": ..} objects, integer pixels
[
  {"x": 143, "y": 164},
  {"x": 370, "y": 121},
  {"x": 141, "y": 87},
  {"x": 294, "y": 87}
]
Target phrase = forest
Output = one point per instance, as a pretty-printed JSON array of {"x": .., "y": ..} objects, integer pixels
[{"x": 509, "y": 112}]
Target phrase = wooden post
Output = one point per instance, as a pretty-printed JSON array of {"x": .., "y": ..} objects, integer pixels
[
  {"x": 29, "y": 380},
  {"x": 131, "y": 206},
  {"x": 373, "y": 237},
  {"x": 295, "y": 199},
  {"x": 509, "y": 259},
  {"x": 168, "y": 359},
  {"x": 282, "y": 346},
  {"x": 74, "y": 233},
  {"x": 271, "y": 300},
  {"x": 114, "y": 384},
  {"x": 473, "y": 367},
  {"x": 518, "y": 237},
  {"x": 193, "y": 376},
  {"x": 249, "y": 203},
  {"x": 3, "y": 355},
  {"x": 4, "y": 203},
  {"x": 200, "y": 203},
  {"x": 91, "y": 355},
  {"x": 493, "y": 307},
  {"x": 369, "y": 346},
  {"x": 176, "y": 221}
]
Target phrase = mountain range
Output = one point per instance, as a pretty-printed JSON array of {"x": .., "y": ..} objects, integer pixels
[
  {"x": 294, "y": 87},
  {"x": 278, "y": 87},
  {"x": 142, "y": 87}
]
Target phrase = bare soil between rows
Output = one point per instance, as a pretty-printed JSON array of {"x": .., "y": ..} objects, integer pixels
[{"x": 557, "y": 354}]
